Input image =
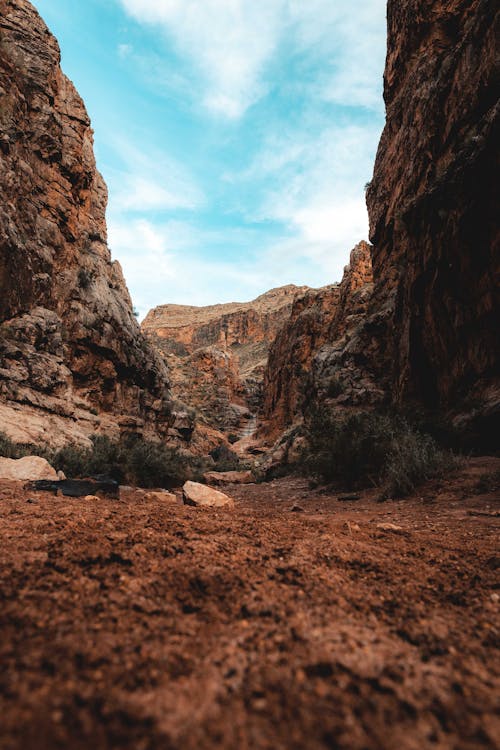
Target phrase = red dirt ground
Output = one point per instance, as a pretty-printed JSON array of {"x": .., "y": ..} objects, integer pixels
[{"x": 136, "y": 625}]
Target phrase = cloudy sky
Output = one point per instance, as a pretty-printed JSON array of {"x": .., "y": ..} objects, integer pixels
[{"x": 236, "y": 136}]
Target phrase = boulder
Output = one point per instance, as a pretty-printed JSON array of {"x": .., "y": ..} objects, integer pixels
[
  {"x": 228, "y": 477},
  {"x": 161, "y": 496},
  {"x": 202, "y": 496},
  {"x": 29, "y": 468}
]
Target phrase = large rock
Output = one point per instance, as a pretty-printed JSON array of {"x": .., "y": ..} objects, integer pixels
[
  {"x": 29, "y": 468},
  {"x": 72, "y": 355},
  {"x": 202, "y": 496}
]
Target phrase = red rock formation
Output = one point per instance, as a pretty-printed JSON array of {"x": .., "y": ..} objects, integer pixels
[
  {"x": 433, "y": 207},
  {"x": 428, "y": 335},
  {"x": 185, "y": 328},
  {"x": 72, "y": 357},
  {"x": 217, "y": 355},
  {"x": 328, "y": 317}
]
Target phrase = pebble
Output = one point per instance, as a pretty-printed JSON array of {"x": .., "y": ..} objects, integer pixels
[{"x": 389, "y": 527}]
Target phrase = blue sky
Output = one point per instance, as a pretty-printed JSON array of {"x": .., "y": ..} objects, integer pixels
[{"x": 235, "y": 136}]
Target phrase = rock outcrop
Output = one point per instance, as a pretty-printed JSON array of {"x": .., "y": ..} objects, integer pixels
[
  {"x": 319, "y": 353},
  {"x": 433, "y": 206},
  {"x": 217, "y": 355},
  {"x": 73, "y": 360}
]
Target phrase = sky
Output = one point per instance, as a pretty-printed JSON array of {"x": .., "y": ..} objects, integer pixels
[{"x": 236, "y": 137}]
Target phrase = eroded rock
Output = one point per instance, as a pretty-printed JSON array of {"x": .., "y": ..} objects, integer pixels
[
  {"x": 29, "y": 468},
  {"x": 201, "y": 496}
]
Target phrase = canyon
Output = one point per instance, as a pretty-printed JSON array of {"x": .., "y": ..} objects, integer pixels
[
  {"x": 296, "y": 614},
  {"x": 217, "y": 355}
]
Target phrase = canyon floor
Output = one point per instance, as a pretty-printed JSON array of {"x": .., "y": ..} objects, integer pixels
[{"x": 340, "y": 624}]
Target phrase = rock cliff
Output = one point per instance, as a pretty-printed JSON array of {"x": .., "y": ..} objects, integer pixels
[
  {"x": 319, "y": 353},
  {"x": 425, "y": 333},
  {"x": 73, "y": 359},
  {"x": 433, "y": 206},
  {"x": 217, "y": 354}
]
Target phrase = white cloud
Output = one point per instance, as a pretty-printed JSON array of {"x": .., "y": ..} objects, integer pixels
[
  {"x": 150, "y": 181},
  {"x": 231, "y": 43},
  {"x": 125, "y": 50}
]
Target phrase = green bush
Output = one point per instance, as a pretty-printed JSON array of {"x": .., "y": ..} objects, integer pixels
[
  {"x": 135, "y": 461},
  {"x": 375, "y": 449},
  {"x": 8, "y": 449},
  {"x": 225, "y": 459}
]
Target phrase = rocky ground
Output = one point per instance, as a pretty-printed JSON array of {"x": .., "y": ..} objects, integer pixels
[{"x": 295, "y": 620}]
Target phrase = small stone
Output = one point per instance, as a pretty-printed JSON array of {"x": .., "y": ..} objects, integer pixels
[
  {"x": 297, "y": 508},
  {"x": 91, "y": 498},
  {"x": 61, "y": 476},
  {"x": 162, "y": 496},
  {"x": 350, "y": 497},
  {"x": 394, "y": 528},
  {"x": 495, "y": 598}
]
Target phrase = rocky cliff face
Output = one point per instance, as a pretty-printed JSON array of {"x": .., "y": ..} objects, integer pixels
[
  {"x": 72, "y": 357},
  {"x": 218, "y": 354},
  {"x": 426, "y": 331},
  {"x": 319, "y": 353},
  {"x": 433, "y": 206}
]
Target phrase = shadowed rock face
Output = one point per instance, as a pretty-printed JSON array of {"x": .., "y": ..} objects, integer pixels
[
  {"x": 324, "y": 326},
  {"x": 426, "y": 333},
  {"x": 72, "y": 357},
  {"x": 433, "y": 207}
]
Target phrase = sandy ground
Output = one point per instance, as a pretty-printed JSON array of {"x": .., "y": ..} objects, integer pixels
[{"x": 136, "y": 625}]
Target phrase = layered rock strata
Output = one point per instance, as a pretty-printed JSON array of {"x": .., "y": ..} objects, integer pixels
[
  {"x": 72, "y": 357},
  {"x": 218, "y": 354}
]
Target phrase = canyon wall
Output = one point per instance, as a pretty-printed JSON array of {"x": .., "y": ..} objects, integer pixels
[
  {"x": 425, "y": 333},
  {"x": 433, "y": 206},
  {"x": 217, "y": 354},
  {"x": 73, "y": 360},
  {"x": 321, "y": 351}
]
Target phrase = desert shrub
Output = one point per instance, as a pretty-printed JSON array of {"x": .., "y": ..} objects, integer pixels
[
  {"x": 8, "y": 449},
  {"x": 375, "y": 449},
  {"x": 232, "y": 438},
  {"x": 412, "y": 459},
  {"x": 134, "y": 461},
  {"x": 225, "y": 459},
  {"x": 154, "y": 465}
]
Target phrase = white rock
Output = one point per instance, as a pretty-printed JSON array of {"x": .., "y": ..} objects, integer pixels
[
  {"x": 200, "y": 496},
  {"x": 29, "y": 468}
]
